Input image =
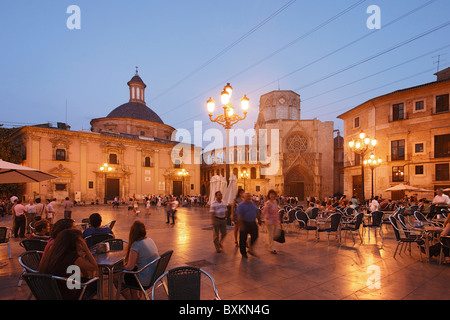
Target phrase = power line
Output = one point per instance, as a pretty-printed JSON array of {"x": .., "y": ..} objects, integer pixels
[
  {"x": 376, "y": 55},
  {"x": 276, "y": 51},
  {"x": 347, "y": 45},
  {"x": 226, "y": 49}
]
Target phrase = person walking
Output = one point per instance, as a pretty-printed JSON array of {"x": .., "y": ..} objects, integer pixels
[
  {"x": 247, "y": 213},
  {"x": 271, "y": 219},
  {"x": 234, "y": 219},
  {"x": 173, "y": 205},
  {"x": 218, "y": 216},
  {"x": 68, "y": 206}
]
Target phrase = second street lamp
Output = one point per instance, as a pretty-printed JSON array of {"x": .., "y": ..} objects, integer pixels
[
  {"x": 361, "y": 146},
  {"x": 105, "y": 168},
  {"x": 228, "y": 118},
  {"x": 183, "y": 173}
]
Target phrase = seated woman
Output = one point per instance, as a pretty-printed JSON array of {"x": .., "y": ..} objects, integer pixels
[
  {"x": 95, "y": 222},
  {"x": 67, "y": 250},
  {"x": 41, "y": 230},
  {"x": 141, "y": 251},
  {"x": 59, "y": 226}
]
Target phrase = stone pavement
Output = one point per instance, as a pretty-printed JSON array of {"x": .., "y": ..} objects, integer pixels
[{"x": 303, "y": 269}]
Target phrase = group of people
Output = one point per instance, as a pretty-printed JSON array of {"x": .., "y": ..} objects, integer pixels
[
  {"x": 23, "y": 214},
  {"x": 67, "y": 246},
  {"x": 246, "y": 216}
]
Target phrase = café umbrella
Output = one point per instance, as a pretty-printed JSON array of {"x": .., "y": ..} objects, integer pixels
[
  {"x": 14, "y": 173},
  {"x": 402, "y": 187}
]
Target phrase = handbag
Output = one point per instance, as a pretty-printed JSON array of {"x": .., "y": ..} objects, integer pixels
[{"x": 280, "y": 237}]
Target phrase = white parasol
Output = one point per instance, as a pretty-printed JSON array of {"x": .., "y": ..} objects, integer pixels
[
  {"x": 14, "y": 173},
  {"x": 230, "y": 193}
]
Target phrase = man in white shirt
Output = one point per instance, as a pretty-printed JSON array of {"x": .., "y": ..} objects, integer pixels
[
  {"x": 173, "y": 205},
  {"x": 374, "y": 205},
  {"x": 218, "y": 214},
  {"x": 19, "y": 219},
  {"x": 441, "y": 198}
]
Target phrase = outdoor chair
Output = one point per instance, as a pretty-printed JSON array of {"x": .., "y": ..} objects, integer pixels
[
  {"x": 33, "y": 244},
  {"x": 420, "y": 217},
  {"x": 47, "y": 286},
  {"x": 110, "y": 224},
  {"x": 335, "y": 227},
  {"x": 5, "y": 234},
  {"x": 353, "y": 226},
  {"x": 160, "y": 265},
  {"x": 376, "y": 223},
  {"x": 289, "y": 219},
  {"x": 406, "y": 239},
  {"x": 29, "y": 260},
  {"x": 304, "y": 221},
  {"x": 314, "y": 213},
  {"x": 115, "y": 244},
  {"x": 184, "y": 283},
  {"x": 92, "y": 240},
  {"x": 445, "y": 245}
]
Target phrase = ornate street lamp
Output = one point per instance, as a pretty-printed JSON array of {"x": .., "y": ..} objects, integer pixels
[
  {"x": 244, "y": 175},
  {"x": 183, "y": 173},
  {"x": 105, "y": 168},
  {"x": 361, "y": 146},
  {"x": 372, "y": 163},
  {"x": 228, "y": 118}
]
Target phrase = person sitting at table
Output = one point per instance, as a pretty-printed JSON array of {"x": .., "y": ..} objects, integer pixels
[
  {"x": 310, "y": 209},
  {"x": 441, "y": 198},
  {"x": 41, "y": 230},
  {"x": 141, "y": 251},
  {"x": 95, "y": 222},
  {"x": 374, "y": 205},
  {"x": 435, "y": 250},
  {"x": 69, "y": 249},
  {"x": 58, "y": 227}
]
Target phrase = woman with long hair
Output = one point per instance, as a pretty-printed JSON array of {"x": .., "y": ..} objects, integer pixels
[
  {"x": 236, "y": 202},
  {"x": 271, "y": 219},
  {"x": 69, "y": 249},
  {"x": 141, "y": 251}
]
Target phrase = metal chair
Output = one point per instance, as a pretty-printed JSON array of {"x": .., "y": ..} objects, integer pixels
[
  {"x": 5, "y": 234},
  {"x": 335, "y": 221},
  {"x": 407, "y": 239},
  {"x": 304, "y": 221},
  {"x": 29, "y": 260},
  {"x": 33, "y": 244},
  {"x": 160, "y": 265},
  {"x": 93, "y": 239},
  {"x": 110, "y": 224},
  {"x": 353, "y": 226},
  {"x": 47, "y": 286},
  {"x": 115, "y": 244},
  {"x": 377, "y": 219},
  {"x": 445, "y": 245},
  {"x": 289, "y": 219},
  {"x": 184, "y": 283},
  {"x": 420, "y": 217}
]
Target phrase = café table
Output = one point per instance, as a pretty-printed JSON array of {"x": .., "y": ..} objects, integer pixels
[
  {"x": 107, "y": 261},
  {"x": 429, "y": 231}
]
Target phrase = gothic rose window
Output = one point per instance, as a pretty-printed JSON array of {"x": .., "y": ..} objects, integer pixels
[{"x": 297, "y": 143}]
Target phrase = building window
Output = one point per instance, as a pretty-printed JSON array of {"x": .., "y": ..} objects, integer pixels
[
  {"x": 60, "y": 187},
  {"x": 91, "y": 185},
  {"x": 398, "y": 112},
  {"x": 442, "y": 172},
  {"x": 147, "y": 162},
  {"x": 442, "y": 104},
  {"x": 442, "y": 146},
  {"x": 398, "y": 174},
  {"x": 258, "y": 188},
  {"x": 253, "y": 173},
  {"x": 357, "y": 159},
  {"x": 418, "y": 148},
  {"x": 419, "y": 105},
  {"x": 419, "y": 169},
  {"x": 398, "y": 150},
  {"x": 356, "y": 122},
  {"x": 113, "y": 158},
  {"x": 60, "y": 155}
]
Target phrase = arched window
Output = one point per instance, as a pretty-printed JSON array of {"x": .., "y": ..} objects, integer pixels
[
  {"x": 147, "y": 162},
  {"x": 113, "y": 158}
]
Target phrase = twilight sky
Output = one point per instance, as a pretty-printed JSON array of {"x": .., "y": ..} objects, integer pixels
[{"x": 187, "y": 51}]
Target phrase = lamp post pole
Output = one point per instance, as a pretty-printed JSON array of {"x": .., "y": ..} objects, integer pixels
[
  {"x": 183, "y": 173},
  {"x": 227, "y": 119},
  {"x": 372, "y": 163},
  {"x": 244, "y": 175},
  {"x": 105, "y": 168}
]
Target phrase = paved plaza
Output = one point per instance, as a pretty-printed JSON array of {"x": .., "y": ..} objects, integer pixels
[{"x": 303, "y": 269}]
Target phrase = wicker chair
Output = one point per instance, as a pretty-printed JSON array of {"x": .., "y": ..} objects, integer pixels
[
  {"x": 184, "y": 283},
  {"x": 33, "y": 244},
  {"x": 5, "y": 233},
  {"x": 29, "y": 260}
]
